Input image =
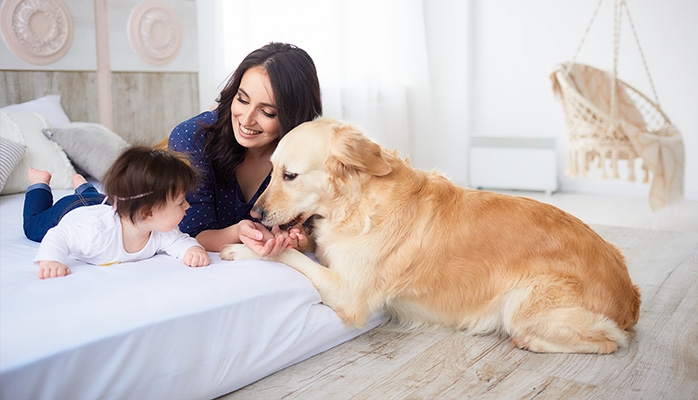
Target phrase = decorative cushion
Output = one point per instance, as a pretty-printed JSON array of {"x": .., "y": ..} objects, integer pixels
[
  {"x": 92, "y": 147},
  {"x": 41, "y": 153},
  {"x": 48, "y": 106},
  {"x": 10, "y": 154}
]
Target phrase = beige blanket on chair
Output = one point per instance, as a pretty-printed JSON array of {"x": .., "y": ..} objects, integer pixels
[{"x": 653, "y": 137}]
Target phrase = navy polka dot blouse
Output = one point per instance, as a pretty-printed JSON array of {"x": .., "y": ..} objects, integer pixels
[{"x": 213, "y": 206}]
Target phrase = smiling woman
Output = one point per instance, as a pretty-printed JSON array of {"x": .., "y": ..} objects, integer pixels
[{"x": 274, "y": 89}]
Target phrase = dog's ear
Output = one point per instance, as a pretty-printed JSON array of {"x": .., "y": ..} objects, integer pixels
[{"x": 351, "y": 150}]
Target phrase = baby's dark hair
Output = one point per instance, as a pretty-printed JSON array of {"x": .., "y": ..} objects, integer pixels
[{"x": 143, "y": 178}]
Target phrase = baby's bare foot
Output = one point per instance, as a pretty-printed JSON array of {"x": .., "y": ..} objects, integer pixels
[
  {"x": 78, "y": 180},
  {"x": 38, "y": 176}
]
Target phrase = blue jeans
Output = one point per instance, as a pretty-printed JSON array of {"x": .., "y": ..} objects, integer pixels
[{"x": 40, "y": 214}]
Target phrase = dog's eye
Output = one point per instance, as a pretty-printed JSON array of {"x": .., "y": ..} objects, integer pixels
[{"x": 288, "y": 176}]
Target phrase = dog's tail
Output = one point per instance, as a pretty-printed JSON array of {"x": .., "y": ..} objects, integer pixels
[{"x": 547, "y": 317}]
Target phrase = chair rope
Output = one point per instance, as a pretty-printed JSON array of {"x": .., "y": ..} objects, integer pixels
[
  {"x": 584, "y": 36},
  {"x": 642, "y": 54},
  {"x": 619, "y": 6}
]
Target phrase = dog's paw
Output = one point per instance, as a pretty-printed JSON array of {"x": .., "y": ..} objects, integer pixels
[
  {"x": 350, "y": 320},
  {"x": 238, "y": 252}
]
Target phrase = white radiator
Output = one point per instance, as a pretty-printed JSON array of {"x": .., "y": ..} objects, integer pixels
[{"x": 516, "y": 163}]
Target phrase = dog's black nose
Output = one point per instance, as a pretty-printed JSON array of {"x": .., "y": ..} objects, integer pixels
[{"x": 257, "y": 213}]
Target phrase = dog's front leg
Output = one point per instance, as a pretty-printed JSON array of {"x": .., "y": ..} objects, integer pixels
[
  {"x": 321, "y": 277},
  {"x": 352, "y": 303},
  {"x": 350, "y": 307}
]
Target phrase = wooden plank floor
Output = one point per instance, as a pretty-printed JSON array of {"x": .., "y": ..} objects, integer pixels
[{"x": 661, "y": 362}]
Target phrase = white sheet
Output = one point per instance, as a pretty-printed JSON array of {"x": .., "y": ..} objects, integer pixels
[{"x": 152, "y": 329}]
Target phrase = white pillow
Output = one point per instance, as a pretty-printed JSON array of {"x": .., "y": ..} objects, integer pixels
[
  {"x": 48, "y": 106},
  {"x": 10, "y": 154},
  {"x": 90, "y": 146},
  {"x": 41, "y": 153}
]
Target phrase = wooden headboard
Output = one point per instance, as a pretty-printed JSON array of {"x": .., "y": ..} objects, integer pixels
[{"x": 146, "y": 105}]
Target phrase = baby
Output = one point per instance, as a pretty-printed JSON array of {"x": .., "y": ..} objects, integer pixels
[{"x": 146, "y": 190}]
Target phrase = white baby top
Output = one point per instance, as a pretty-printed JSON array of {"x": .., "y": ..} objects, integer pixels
[{"x": 92, "y": 234}]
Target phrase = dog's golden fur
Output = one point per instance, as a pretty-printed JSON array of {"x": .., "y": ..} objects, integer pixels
[{"x": 433, "y": 253}]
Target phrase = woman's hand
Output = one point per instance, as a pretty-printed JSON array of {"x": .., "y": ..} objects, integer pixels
[
  {"x": 270, "y": 243},
  {"x": 296, "y": 236},
  {"x": 263, "y": 242}
]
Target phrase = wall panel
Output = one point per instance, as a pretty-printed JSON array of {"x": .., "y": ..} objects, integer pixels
[{"x": 147, "y": 100}]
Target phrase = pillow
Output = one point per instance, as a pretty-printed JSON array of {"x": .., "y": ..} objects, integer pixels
[
  {"x": 10, "y": 154},
  {"x": 41, "y": 153},
  {"x": 92, "y": 147},
  {"x": 48, "y": 106}
]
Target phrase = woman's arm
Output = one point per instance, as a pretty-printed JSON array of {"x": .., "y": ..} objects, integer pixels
[
  {"x": 217, "y": 239},
  {"x": 202, "y": 214}
]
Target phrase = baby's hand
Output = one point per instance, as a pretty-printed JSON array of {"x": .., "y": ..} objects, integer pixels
[
  {"x": 52, "y": 269},
  {"x": 196, "y": 256}
]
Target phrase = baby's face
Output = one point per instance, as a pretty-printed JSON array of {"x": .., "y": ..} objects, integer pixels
[{"x": 167, "y": 217}]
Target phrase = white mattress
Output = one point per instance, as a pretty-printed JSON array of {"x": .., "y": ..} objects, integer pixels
[{"x": 152, "y": 329}]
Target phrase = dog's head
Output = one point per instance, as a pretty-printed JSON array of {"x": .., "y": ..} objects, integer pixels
[{"x": 313, "y": 166}]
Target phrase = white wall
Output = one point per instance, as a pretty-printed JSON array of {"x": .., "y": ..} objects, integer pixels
[
  {"x": 514, "y": 45},
  {"x": 448, "y": 32},
  {"x": 490, "y": 62},
  {"x": 210, "y": 58}
]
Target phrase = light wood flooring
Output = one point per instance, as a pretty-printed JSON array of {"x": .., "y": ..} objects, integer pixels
[{"x": 661, "y": 362}]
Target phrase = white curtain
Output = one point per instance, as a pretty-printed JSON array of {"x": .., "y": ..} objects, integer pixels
[{"x": 371, "y": 58}]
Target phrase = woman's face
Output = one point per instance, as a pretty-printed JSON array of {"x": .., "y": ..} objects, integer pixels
[{"x": 254, "y": 117}]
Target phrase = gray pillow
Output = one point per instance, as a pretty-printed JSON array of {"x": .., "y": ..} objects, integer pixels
[
  {"x": 90, "y": 146},
  {"x": 10, "y": 154}
]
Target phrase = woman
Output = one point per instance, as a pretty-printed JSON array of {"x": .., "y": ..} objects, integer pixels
[{"x": 273, "y": 90}]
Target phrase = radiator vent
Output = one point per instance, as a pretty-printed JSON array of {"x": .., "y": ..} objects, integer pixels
[{"x": 513, "y": 163}]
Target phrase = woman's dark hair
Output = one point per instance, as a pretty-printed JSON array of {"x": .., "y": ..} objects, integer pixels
[
  {"x": 143, "y": 178},
  {"x": 296, "y": 93}
]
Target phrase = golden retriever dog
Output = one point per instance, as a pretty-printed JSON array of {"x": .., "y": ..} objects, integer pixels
[{"x": 435, "y": 254}]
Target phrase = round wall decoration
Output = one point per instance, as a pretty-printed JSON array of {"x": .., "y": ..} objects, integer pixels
[
  {"x": 155, "y": 32},
  {"x": 38, "y": 31}
]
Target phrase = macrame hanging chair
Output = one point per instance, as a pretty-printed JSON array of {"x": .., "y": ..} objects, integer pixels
[{"x": 609, "y": 120}]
